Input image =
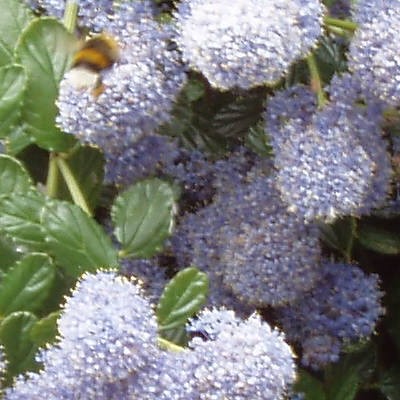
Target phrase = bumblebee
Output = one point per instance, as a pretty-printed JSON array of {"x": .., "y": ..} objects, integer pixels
[{"x": 94, "y": 56}]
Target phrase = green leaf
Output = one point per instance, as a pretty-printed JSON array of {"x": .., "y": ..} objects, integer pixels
[
  {"x": 344, "y": 388},
  {"x": 20, "y": 219},
  {"x": 235, "y": 119},
  {"x": 12, "y": 86},
  {"x": 342, "y": 379},
  {"x": 182, "y": 298},
  {"x": 379, "y": 239},
  {"x": 76, "y": 241},
  {"x": 310, "y": 386},
  {"x": 15, "y": 337},
  {"x": 18, "y": 140},
  {"x": 86, "y": 164},
  {"x": 194, "y": 90},
  {"x": 13, "y": 176},
  {"x": 389, "y": 383},
  {"x": 258, "y": 141},
  {"x": 8, "y": 255},
  {"x": 45, "y": 330},
  {"x": 144, "y": 217},
  {"x": 340, "y": 235},
  {"x": 45, "y": 50},
  {"x": 26, "y": 286},
  {"x": 15, "y": 15}
]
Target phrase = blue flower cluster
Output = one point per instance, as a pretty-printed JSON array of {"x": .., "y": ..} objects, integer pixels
[
  {"x": 327, "y": 165},
  {"x": 374, "y": 50},
  {"x": 96, "y": 15},
  {"x": 139, "y": 92},
  {"x": 108, "y": 350},
  {"x": 343, "y": 307},
  {"x": 246, "y": 43},
  {"x": 248, "y": 241}
]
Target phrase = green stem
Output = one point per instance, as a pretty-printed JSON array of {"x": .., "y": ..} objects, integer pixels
[
  {"x": 70, "y": 15},
  {"x": 338, "y": 31},
  {"x": 52, "y": 176},
  {"x": 72, "y": 184},
  {"x": 341, "y": 23},
  {"x": 350, "y": 243},
  {"x": 315, "y": 80},
  {"x": 167, "y": 345}
]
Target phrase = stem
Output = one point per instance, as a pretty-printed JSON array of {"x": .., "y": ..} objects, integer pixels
[
  {"x": 315, "y": 80},
  {"x": 70, "y": 15},
  {"x": 72, "y": 184},
  {"x": 340, "y": 23},
  {"x": 52, "y": 176},
  {"x": 338, "y": 31},
  {"x": 350, "y": 243},
  {"x": 167, "y": 345}
]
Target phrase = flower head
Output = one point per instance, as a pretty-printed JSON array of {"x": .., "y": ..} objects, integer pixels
[{"x": 246, "y": 43}]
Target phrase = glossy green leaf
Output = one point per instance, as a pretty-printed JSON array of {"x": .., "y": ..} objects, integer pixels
[
  {"x": 45, "y": 330},
  {"x": 14, "y": 16},
  {"x": 379, "y": 239},
  {"x": 258, "y": 141},
  {"x": 45, "y": 50},
  {"x": 182, "y": 298},
  {"x": 86, "y": 164},
  {"x": 12, "y": 86},
  {"x": 311, "y": 387},
  {"x": 8, "y": 255},
  {"x": 13, "y": 176},
  {"x": 20, "y": 219},
  {"x": 144, "y": 217},
  {"x": 27, "y": 285},
  {"x": 18, "y": 140},
  {"x": 76, "y": 241},
  {"x": 235, "y": 119},
  {"x": 340, "y": 235},
  {"x": 343, "y": 379},
  {"x": 15, "y": 337}
]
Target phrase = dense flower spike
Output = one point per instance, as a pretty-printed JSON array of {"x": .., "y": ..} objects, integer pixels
[
  {"x": 107, "y": 350},
  {"x": 270, "y": 256},
  {"x": 374, "y": 50},
  {"x": 247, "y": 239},
  {"x": 246, "y": 43},
  {"x": 139, "y": 92},
  {"x": 326, "y": 164},
  {"x": 343, "y": 306},
  {"x": 97, "y": 15},
  {"x": 247, "y": 360},
  {"x": 108, "y": 332}
]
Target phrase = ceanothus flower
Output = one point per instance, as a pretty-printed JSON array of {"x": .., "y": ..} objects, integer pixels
[
  {"x": 97, "y": 15},
  {"x": 333, "y": 162},
  {"x": 246, "y": 43},
  {"x": 270, "y": 256},
  {"x": 139, "y": 92},
  {"x": 108, "y": 350},
  {"x": 374, "y": 49},
  {"x": 344, "y": 306},
  {"x": 108, "y": 334},
  {"x": 247, "y": 240},
  {"x": 247, "y": 360}
]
